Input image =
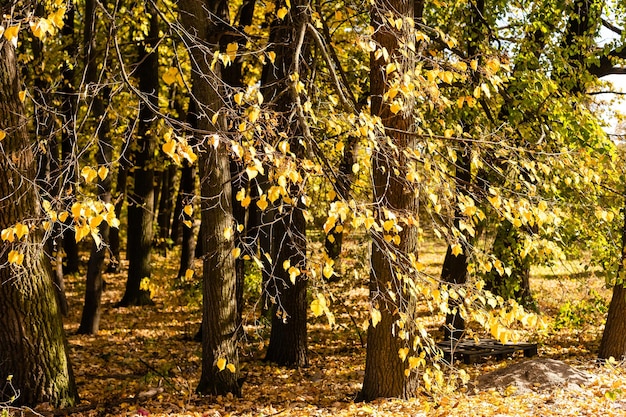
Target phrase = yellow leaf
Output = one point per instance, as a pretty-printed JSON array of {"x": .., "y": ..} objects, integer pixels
[
  {"x": 457, "y": 249},
  {"x": 15, "y": 257},
  {"x": 81, "y": 232},
  {"x": 95, "y": 221},
  {"x": 188, "y": 223},
  {"x": 188, "y": 209},
  {"x": 103, "y": 172},
  {"x": 251, "y": 171},
  {"x": 376, "y": 317},
  {"x": 293, "y": 274},
  {"x": 10, "y": 34},
  {"x": 448, "y": 133},
  {"x": 231, "y": 50},
  {"x": 57, "y": 17},
  {"x": 355, "y": 168},
  {"x": 188, "y": 274},
  {"x": 88, "y": 173},
  {"x": 402, "y": 353},
  {"x": 262, "y": 202},
  {"x": 3, "y": 134},
  {"x": 169, "y": 148},
  {"x": 388, "y": 225},
  {"x": 395, "y": 107},
  {"x": 474, "y": 64},
  {"x": 170, "y": 76},
  {"x": 221, "y": 364},
  {"x": 8, "y": 234},
  {"x": 272, "y": 56},
  {"x": 281, "y": 13},
  {"x": 236, "y": 252},
  {"x": 22, "y": 94},
  {"x": 63, "y": 216},
  {"x": 246, "y": 202},
  {"x": 318, "y": 306},
  {"x": 21, "y": 230},
  {"x": 447, "y": 77},
  {"x": 231, "y": 368},
  {"x": 40, "y": 28},
  {"x": 238, "y": 98},
  {"x": 391, "y": 67},
  {"x": 328, "y": 270}
]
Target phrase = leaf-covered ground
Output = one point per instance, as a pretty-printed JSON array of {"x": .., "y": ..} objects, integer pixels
[{"x": 144, "y": 361}]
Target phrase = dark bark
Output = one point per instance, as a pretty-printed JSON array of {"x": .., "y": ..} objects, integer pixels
[
  {"x": 49, "y": 173},
  {"x": 68, "y": 140},
  {"x": 34, "y": 349},
  {"x": 384, "y": 370},
  {"x": 234, "y": 78},
  {"x": 219, "y": 324},
  {"x": 454, "y": 269},
  {"x": 141, "y": 200},
  {"x": 166, "y": 205},
  {"x": 121, "y": 183},
  {"x": 284, "y": 232},
  {"x": 90, "y": 319},
  {"x": 186, "y": 193}
]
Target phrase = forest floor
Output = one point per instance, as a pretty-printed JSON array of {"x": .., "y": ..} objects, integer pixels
[{"x": 144, "y": 360}]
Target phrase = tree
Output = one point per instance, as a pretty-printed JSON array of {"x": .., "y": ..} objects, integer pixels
[
  {"x": 141, "y": 200},
  {"x": 220, "y": 359},
  {"x": 34, "y": 349},
  {"x": 385, "y": 371},
  {"x": 284, "y": 225},
  {"x": 90, "y": 319}
]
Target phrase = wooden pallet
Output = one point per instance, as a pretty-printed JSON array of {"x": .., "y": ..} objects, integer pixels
[{"x": 471, "y": 351}]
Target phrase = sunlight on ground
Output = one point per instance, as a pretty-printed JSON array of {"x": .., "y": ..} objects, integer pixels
[{"x": 144, "y": 361}]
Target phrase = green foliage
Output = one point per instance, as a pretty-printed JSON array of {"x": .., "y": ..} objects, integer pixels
[{"x": 581, "y": 313}]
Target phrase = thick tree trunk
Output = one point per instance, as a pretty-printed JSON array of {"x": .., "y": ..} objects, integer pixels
[
  {"x": 219, "y": 324},
  {"x": 384, "y": 370},
  {"x": 141, "y": 201},
  {"x": 34, "y": 350}
]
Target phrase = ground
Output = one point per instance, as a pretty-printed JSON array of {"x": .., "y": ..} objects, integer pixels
[{"x": 144, "y": 360}]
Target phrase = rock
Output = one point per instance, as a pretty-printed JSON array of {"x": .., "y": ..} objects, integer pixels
[{"x": 539, "y": 373}]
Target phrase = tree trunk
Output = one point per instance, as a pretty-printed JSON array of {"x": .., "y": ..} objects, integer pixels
[
  {"x": 384, "y": 370},
  {"x": 68, "y": 141},
  {"x": 613, "y": 342},
  {"x": 90, "y": 319},
  {"x": 166, "y": 205},
  {"x": 34, "y": 349},
  {"x": 284, "y": 227},
  {"x": 120, "y": 196},
  {"x": 219, "y": 324},
  {"x": 141, "y": 201}
]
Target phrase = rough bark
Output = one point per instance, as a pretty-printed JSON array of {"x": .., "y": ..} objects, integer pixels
[
  {"x": 219, "y": 324},
  {"x": 384, "y": 370},
  {"x": 34, "y": 349},
  {"x": 141, "y": 200}
]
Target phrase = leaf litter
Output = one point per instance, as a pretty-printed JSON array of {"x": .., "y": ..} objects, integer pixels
[{"x": 144, "y": 362}]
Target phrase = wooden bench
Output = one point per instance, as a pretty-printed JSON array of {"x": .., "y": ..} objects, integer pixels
[{"x": 471, "y": 351}]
